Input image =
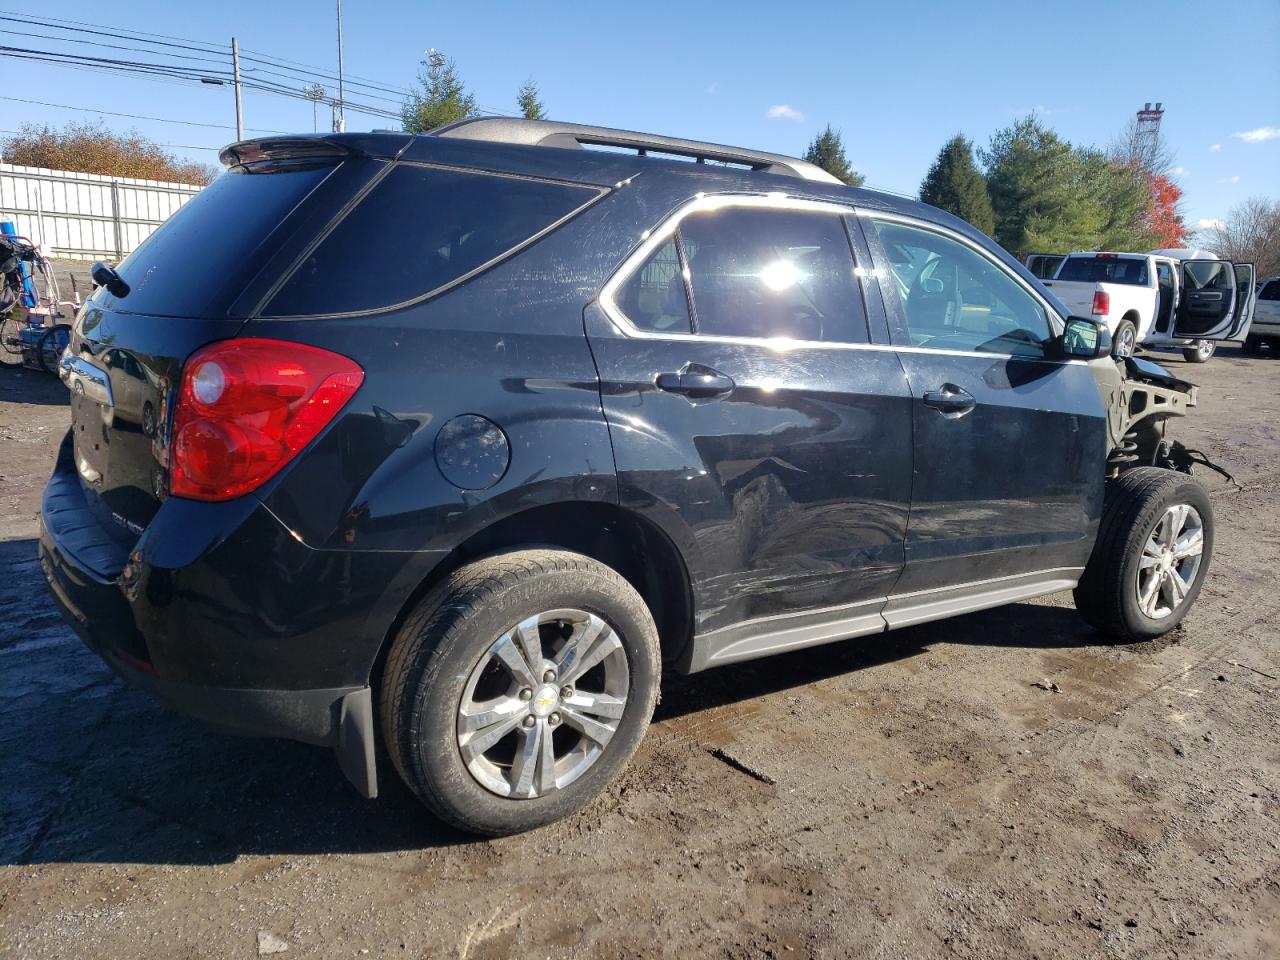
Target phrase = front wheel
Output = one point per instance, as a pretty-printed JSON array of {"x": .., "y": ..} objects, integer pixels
[
  {"x": 1151, "y": 556},
  {"x": 1199, "y": 352},
  {"x": 519, "y": 688}
]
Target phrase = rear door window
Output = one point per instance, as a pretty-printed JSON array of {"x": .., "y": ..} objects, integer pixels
[
  {"x": 419, "y": 229},
  {"x": 772, "y": 273}
]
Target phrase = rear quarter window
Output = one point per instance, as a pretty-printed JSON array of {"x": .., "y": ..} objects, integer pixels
[{"x": 419, "y": 229}]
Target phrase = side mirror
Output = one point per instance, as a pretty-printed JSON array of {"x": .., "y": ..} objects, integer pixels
[
  {"x": 105, "y": 275},
  {"x": 1086, "y": 339}
]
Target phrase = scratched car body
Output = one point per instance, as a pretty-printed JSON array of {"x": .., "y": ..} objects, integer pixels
[{"x": 458, "y": 442}]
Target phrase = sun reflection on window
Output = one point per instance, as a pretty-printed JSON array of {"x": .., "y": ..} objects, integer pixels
[{"x": 780, "y": 275}]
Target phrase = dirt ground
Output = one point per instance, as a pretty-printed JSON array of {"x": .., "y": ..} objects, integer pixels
[{"x": 908, "y": 795}]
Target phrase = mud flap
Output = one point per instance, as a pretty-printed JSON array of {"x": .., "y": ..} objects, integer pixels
[{"x": 355, "y": 742}]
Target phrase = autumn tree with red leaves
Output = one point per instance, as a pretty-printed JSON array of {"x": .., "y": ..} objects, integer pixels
[{"x": 1165, "y": 222}]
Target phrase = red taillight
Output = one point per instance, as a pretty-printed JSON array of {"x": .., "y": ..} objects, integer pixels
[
  {"x": 247, "y": 407},
  {"x": 1101, "y": 303}
]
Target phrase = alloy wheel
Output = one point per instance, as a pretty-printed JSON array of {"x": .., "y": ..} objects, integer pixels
[
  {"x": 542, "y": 703},
  {"x": 1125, "y": 347},
  {"x": 1170, "y": 561}
]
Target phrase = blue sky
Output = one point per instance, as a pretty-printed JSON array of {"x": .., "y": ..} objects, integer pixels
[{"x": 897, "y": 79}]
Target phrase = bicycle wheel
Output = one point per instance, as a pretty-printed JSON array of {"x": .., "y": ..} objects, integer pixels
[
  {"x": 52, "y": 342},
  {"x": 10, "y": 344}
]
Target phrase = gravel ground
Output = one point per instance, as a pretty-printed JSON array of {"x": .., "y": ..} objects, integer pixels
[{"x": 909, "y": 795}]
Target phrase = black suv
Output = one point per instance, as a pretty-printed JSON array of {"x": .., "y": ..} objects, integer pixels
[{"x": 459, "y": 440}]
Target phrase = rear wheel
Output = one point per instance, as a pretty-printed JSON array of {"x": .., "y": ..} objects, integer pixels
[
  {"x": 1199, "y": 352},
  {"x": 1153, "y": 550},
  {"x": 1252, "y": 344},
  {"x": 1125, "y": 341},
  {"x": 519, "y": 688}
]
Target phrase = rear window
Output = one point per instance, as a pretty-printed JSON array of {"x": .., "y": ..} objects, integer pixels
[
  {"x": 211, "y": 236},
  {"x": 418, "y": 230},
  {"x": 1128, "y": 270}
]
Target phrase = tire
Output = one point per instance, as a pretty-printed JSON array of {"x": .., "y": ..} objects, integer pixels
[
  {"x": 1125, "y": 341},
  {"x": 50, "y": 346},
  {"x": 1252, "y": 344},
  {"x": 445, "y": 653},
  {"x": 1200, "y": 353},
  {"x": 1108, "y": 593}
]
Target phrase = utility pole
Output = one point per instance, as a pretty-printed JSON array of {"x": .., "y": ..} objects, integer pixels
[
  {"x": 342, "y": 114},
  {"x": 235, "y": 69},
  {"x": 315, "y": 93}
]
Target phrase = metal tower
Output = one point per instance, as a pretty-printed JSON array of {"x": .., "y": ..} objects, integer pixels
[{"x": 1148, "y": 132}]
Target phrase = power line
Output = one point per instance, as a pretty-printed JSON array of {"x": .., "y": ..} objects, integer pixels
[
  {"x": 203, "y": 45},
  {"x": 99, "y": 43},
  {"x": 259, "y": 76},
  {"x": 155, "y": 70},
  {"x": 175, "y": 146},
  {"x": 263, "y": 58},
  {"x": 136, "y": 116}
]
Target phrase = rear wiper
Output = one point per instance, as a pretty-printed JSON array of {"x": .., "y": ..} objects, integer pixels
[{"x": 104, "y": 275}]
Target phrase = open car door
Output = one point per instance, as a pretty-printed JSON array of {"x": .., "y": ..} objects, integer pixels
[
  {"x": 1246, "y": 300},
  {"x": 1216, "y": 302}
]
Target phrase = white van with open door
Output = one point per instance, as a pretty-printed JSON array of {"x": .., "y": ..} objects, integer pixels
[{"x": 1213, "y": 301}]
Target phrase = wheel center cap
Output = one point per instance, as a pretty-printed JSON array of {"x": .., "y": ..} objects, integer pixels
[{"x": 544, "y": 700}]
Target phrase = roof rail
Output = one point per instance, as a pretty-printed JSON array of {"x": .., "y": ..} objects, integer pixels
[{"x": 548, "y": 133}]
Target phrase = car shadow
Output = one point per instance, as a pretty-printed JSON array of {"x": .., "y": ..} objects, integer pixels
[
  {"x": 1023, "y": 625},
  {"x": 98, "y": 772},
  {"x": 35, "y": 387},
  {"x": 1224, "y": 351}
]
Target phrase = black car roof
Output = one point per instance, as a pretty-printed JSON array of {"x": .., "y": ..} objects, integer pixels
[{"x": 556, "y": 151}]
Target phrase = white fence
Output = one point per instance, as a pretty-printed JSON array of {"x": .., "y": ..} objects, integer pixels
[{"x": 85, "y": 216}]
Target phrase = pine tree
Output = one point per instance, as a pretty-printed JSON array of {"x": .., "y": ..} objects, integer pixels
[
  {"x": 1034, "y": 179},
  {"x": 827, "y": 151},
  {"x": 955, "y": 184},
  {"x": 530, "y": 103},
  {"x": 441, "y": 98}
]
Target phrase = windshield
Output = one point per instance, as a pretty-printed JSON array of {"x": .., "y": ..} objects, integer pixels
[{"x": 1105, "y": 269}]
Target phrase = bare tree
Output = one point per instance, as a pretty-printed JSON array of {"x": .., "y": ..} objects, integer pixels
[
  {"x": 1150, "y": 153},
  {"x": 1249, "y": 234}
]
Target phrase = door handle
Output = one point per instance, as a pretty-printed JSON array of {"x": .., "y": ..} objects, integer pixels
[
  {"x": 950, "y": 400},
  {"x": 696, "y": 382}
]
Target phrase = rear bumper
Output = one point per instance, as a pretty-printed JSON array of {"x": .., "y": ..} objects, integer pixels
[
  {"x": 338, "y": 717},
  {"x": 222, "y": 614}
]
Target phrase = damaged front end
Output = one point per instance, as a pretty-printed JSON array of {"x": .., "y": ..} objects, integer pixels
[{"x": 1141, "y": 397}]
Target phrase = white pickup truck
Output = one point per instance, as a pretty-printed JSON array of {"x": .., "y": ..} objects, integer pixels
[{"x": 1165, "y": 299}]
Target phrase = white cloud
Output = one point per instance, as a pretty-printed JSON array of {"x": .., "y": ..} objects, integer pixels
[
  {"x": 1259, "y": 135},
  {"x": 1235, "y": 179},
  {"x": 1215, "y": 148},
  {"x": 784, "y": 111},
  {"x": 712, "y": 88},
  {"x": 1213, "y": 224},
  {"x": 1178, "y": 172}
]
